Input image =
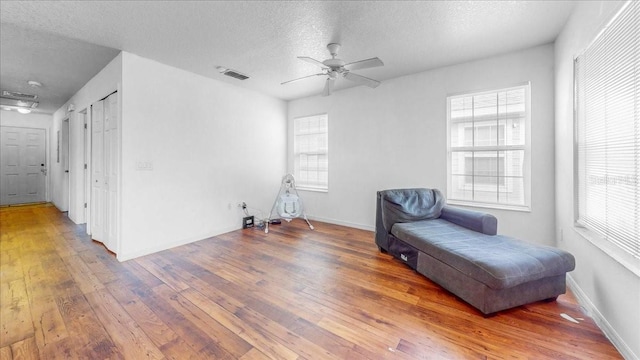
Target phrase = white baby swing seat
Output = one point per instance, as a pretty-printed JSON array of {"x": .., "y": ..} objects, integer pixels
[{"x": 288, "y": 203}]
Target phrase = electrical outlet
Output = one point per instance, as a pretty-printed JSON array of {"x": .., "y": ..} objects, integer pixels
[{"x": 144, "y": 166}]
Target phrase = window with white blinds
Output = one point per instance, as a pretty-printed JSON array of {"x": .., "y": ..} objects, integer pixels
[
  {"x": 311, "y": 152},
  {"x": 488, "y": 150},
  {"x": 607, "y": 109}
]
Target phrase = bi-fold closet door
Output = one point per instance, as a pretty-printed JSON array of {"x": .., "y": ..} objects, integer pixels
[{"x": 104, "y": 171}]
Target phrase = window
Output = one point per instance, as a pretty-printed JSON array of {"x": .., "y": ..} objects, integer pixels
[
  {"x": 311, "y": 152},
  {"x": 607, "y": 110},
  {"x": 488, "y": 148}
]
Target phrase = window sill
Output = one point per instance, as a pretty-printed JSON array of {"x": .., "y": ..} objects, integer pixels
[
  {"x": 627, "y": 260},
  {"x": 302, "y": 188},
  {"x": 521, "y": 208}
]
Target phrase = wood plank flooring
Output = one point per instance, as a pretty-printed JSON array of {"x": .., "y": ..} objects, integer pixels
[{"x": 289, "y": 294}]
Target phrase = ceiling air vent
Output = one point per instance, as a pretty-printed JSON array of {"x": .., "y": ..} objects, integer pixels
[
  {"x": 234, "y": 74},
  {"x": 19, "y": 95},
  {"x": 17, "y": 103},
  {"x": 13, "y": 100}
]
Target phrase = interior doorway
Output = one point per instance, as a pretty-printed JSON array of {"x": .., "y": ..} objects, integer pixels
[{"x": 77, "y": 167}]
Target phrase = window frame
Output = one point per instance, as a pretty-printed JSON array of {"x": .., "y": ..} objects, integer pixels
[
  {"x": 301, "y": 185},
  {"x": 526, "y": 148}
]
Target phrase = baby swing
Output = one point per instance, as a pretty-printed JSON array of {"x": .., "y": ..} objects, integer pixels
[{"x": 288, "y": 203}]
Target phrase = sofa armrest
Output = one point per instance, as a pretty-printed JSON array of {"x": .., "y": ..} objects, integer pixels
[
  {"x": 382, "y": 234},
  {"x": 473, "y": 220}
]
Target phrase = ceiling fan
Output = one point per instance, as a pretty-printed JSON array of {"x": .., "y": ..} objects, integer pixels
[{"x": 334, "y": 67}]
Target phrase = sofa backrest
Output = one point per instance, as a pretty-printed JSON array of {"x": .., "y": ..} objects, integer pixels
[{"x": 405, "y": 205}]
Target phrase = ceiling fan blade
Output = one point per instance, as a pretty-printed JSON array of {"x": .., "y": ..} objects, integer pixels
[
  {"x": 302, "y": 78},
  {"x": 328, "y": 86},
  {"x": 362, "y": 80},
  {"x": 313, "y": 61},
  {"x": 364, "y": 64}
]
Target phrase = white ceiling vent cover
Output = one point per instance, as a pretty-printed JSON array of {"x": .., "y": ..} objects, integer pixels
[
  {"x": 232, "y": 73},
  {"x": 19, "y": 95},
  {"x": 16, "y": 103}
]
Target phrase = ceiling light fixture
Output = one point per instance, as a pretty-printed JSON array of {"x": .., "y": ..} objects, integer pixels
[
  {"x": 34, "y": 84},
  {"x": 24, "y": 111}
]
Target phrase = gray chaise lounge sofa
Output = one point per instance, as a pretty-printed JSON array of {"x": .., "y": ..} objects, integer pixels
[{"x": 459, "y": 250}]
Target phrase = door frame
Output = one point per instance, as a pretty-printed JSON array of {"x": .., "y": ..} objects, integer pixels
[{"x": 65, "y": 162}]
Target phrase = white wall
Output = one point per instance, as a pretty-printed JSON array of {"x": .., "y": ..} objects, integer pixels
[
  {"x": 101, "y": 85},
  {"x": 394, "y": 136},
  {"x": 210, "y": 144},
  {"x": 33, "y": 121},
  {"x": 606, "y": 288}
]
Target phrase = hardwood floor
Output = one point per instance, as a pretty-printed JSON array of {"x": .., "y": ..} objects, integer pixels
[{"x": 291, "y": 294}]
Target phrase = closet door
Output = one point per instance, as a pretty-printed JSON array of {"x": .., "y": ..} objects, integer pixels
[
  {"x": 111, "y": 144},
  {"x": 98, "y": 203},
  {"x": 104, "y": 171}
]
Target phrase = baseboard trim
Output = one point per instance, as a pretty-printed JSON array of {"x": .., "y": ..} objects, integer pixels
[
  {"x": 343, "y": 223},
  {"x": 129, "y": 256},
  {"x": 600, "y": 320}
]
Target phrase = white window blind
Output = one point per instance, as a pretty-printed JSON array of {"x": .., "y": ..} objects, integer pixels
[
  {"x": 488, "y": 148},
  {"x": 607, "y": 104},
  {"x": 311, "y": 152}
]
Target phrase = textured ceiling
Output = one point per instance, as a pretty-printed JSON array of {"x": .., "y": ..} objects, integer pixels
[
  {"x": 62, "y": 65},
  {"x": 263, "y": 38}
]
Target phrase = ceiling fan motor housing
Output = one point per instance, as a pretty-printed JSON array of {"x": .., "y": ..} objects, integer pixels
[{"x": 334, "y": 63}]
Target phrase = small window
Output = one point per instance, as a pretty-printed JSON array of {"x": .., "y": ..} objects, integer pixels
[
  {"x": 311, "y": 152},
  {"x": 488, "y": 149}
]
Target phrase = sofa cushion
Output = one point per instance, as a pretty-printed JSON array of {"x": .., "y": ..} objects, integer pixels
[
  {"x": 406, "y": 205},
  {"x": 498, "y": 261}
]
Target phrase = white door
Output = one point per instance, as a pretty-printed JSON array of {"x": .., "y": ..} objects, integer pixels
[
  {"x": 111, "y": 168},
  {"x": 85, "y": 178},
  {"x": 104, "y": 171},
  {"x": 98, "y": 205},
  {"x": 22, "y": 165},
  {"x": 88, "y": 187}
]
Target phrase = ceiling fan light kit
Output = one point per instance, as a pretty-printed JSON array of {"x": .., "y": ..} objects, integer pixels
[{"x": 334, "y": 68}]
